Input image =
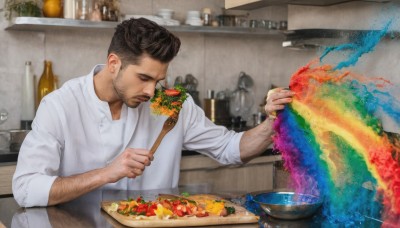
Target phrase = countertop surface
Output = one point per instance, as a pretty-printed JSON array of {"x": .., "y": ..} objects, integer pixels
[
  {"x": 86, "y": 212},
  {"x": 8, "y": 156}
]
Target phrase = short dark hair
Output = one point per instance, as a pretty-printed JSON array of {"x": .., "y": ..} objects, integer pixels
[{"x": 135, "y": 37}]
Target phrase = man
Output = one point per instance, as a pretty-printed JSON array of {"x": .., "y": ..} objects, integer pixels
[{"x": 96, "y": 131}]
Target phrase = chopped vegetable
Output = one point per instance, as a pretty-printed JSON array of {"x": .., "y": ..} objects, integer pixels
[
  {"x": 114, "y": 207},
  {"x": 185, "y": 194},
  {"x": 215, "y": 206},
  {"x": 162, "y": 212},
  {"x": 168, "y": 101},
  {"x": 230, "y": 210}
]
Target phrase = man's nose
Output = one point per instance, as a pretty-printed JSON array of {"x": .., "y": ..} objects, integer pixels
[{"x": 150, "y": 89}]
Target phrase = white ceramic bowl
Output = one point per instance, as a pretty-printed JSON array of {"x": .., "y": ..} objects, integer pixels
[{"x": 165, "y": 13}]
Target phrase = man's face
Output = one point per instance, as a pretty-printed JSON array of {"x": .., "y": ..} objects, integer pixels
[{"x": 136, "y": 83}]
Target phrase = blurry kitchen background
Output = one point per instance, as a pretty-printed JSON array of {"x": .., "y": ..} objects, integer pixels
[{"x": 215, "y": 59}]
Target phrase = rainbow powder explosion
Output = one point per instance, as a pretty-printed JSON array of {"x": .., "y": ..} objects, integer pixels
[{"x": 333, "y": 144}]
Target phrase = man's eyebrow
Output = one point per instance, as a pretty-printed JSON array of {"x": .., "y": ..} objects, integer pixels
[{"x": 145, "y": 75}]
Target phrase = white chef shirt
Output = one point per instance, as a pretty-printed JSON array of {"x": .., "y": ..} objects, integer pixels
[{"x": 73, "y": 132}]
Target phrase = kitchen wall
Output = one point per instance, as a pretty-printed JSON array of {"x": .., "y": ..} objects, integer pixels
[{"x": 216, "y": 60}]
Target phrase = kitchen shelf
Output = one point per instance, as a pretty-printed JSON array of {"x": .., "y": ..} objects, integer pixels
[{"x": 49, "y": 24}]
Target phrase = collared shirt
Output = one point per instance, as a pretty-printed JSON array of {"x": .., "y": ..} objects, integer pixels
[{"x": 73, "y": 132}]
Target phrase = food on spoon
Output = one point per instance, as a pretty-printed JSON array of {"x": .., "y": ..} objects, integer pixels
[{"x": 168, "y": 102}]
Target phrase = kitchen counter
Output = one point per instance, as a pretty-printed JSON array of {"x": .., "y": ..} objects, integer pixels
[
  {"x": 200, "y": 170},
  {"x": 8, "y": 156},
  {"x": 86, "y": 212}
]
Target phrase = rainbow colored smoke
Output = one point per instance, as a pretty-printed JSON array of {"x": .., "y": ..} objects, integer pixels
[{"x": 334, "y": 146}]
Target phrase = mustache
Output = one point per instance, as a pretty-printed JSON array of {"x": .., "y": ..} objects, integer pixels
[{"x": 144, "y": 97}]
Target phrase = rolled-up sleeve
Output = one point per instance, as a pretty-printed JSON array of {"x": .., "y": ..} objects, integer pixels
[
  {"x": 38, "y": 160},
  {"x": 204, "y": 136}
]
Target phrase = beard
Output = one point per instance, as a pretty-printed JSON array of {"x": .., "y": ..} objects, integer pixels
[{"x": 120, "y": 91}]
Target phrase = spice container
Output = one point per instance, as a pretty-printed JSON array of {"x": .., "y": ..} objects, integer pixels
[{"x": 206, "y": 16}]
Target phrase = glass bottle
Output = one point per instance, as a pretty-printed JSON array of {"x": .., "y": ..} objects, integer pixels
[
  {"x": 46, "y": 82},
  {"x": 28, "y": 98}
]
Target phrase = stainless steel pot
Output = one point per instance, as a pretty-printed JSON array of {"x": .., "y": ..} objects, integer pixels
[
  {"x": 16, "y": 139},
  {"x": 217, "y": 110}
]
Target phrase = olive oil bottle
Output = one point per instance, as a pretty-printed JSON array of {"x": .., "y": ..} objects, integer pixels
[{"x": 47, "y": 81}]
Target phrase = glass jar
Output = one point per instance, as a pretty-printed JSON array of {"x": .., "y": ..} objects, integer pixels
[{"x": 83, "y": 9}]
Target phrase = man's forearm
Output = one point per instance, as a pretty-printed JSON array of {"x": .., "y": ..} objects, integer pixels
[
  {"x": 68, "y": 188},
  {"x": 256, "y": 140}
]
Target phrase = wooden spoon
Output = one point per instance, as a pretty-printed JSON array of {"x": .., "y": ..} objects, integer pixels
[{"x": 168, "y": 125}]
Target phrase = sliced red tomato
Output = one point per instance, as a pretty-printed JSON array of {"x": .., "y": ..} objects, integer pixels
[
  {"x": 142, "y": 208},
  {"x": 151, "y": 210},
  {"x": 172, "y": 92},
  {"x": 178, "y": 213}
]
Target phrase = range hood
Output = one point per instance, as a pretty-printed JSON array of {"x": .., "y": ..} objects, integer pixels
[
  {"x": 320, "y": 38},
  {"x": 256, "y": 4}
]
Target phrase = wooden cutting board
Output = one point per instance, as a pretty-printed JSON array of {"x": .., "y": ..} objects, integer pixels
[{"x": 242, "y": 216}]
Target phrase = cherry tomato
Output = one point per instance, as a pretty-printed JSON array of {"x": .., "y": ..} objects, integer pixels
[{"x": 172, "y": 92}]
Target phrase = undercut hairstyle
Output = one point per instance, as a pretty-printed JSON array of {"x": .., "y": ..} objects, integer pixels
[{"x": 135, "y": 38}]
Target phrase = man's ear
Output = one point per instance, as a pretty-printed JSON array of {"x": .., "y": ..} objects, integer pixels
[{"x": 113, "y": 63}]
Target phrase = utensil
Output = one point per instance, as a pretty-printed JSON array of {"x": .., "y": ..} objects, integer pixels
[
  {"x": 288, "y": 205},
  {"x": 168, "y": 125}
]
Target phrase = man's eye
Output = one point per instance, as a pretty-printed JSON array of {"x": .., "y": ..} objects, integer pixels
[{"x": 145, "y": 79}]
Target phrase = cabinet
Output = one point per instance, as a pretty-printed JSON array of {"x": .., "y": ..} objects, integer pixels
[
  {"x": 6, "y": 174},
  {"x": 201, "y": 172}
]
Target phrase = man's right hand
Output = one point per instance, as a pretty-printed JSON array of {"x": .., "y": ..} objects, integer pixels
[{"x": 131, "y": 163}]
